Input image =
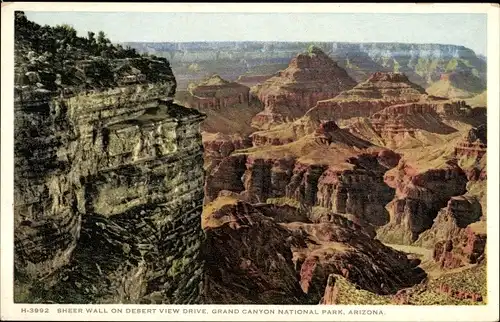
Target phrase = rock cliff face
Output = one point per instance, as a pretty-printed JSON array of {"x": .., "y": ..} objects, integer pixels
[
  {"x": 283, "y": 262},
  {"x": 377, "y": 92},
  {"x": 229, "y": 109},
  {"x": 471, "y": 153},
  {"x": 310, "y": 77},
  {"x": 380, "y": 91},
  {"x": 420, "y": 193},
  {"x": 248, "y": 256},
  {"x": 458, "y": 236},
  {"x": 108, "y": 189},
  {"x": 330, "y": 168}
]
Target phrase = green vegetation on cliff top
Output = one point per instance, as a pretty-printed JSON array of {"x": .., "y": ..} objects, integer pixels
[{"x": 55, "y": 58}]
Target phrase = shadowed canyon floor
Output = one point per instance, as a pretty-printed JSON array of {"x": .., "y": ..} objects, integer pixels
[{"x": 300, "y": 186}]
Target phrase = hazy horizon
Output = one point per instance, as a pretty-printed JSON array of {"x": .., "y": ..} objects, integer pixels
[{"x": 468, "y": 30}]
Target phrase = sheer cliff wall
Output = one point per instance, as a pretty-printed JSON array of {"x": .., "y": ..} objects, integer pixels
[{"x": 108, "y": 196}]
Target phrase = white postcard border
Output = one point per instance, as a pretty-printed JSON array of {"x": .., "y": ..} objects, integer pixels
[{"x": 11, "y": 311}]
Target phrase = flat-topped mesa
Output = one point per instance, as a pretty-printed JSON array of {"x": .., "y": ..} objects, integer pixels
[
  {"x": 310, "y": 77},
  {"x": 216, "y": 93},
  {"x": 108, "y": 176},
  {"x": 382, "y": 89},
  {"x": 457, "y": 84},
  {"x": 252, "y": 80}
]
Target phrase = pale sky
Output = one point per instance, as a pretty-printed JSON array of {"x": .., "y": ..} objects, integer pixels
[{"x": 469, "y": 30}]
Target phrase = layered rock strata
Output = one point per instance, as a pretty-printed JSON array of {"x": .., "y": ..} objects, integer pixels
[
  {"x": 229, "y": 109},
  {"x": 216, "y": 93},
  {"x": 108, "y": 194},
  {"x": 293, "y": 260},
  {"x": 420, "y": 193},
  {"x": 471, "y": 153},
  {"x": 380, "y": 90},
  {"x": 458, "y": 235},
  {"x": 309, "y": 78},
  {"x": 330, "y": 168}
]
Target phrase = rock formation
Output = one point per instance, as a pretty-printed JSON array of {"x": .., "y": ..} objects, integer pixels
[
  {"x": 380, "y": 90},
  {"x": 457, "y": 84},
  {"x": 471, "y": 153},
  {"x": 252, "y": 80},
  {"x": 216, "y": 93},
  {"x": 310, "y": 77},
  {"x": 420, "y": 193},
  {"x": 248, "y": 257},
  {"x": 108, "y": 182},
  {"x": 329, "y": 168},
  {"x": 290, "y": 262},
  {"x": 423, "y": 63}
]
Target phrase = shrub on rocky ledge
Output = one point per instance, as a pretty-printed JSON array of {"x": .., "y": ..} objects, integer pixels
[{"x": 55, "y": 58}]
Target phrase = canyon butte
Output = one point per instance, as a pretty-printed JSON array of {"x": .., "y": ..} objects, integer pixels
[{"x": 305, "y": 187}]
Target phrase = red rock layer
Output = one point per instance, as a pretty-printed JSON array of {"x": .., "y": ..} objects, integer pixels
[
  {"x": 248, "y": 258},
  {"x": 457, "y": 236},
  {"x": 353, "y": 185},
  {"x": 380, "y": 91},
  {"x": 310, "y": 77},
  {"x": 419, "y": 196},
  {"x": 471, "y": 151},
  {"x": 377, "y": 92},
  {"x": 342, "y": 247},
  {"x": 467, "y": 247},
  {"x": 459, "y": 294},
  {"x": 251, "y": 258},
  {"x": 360, "y": 192},
  {"x": 408, "y": 118}
]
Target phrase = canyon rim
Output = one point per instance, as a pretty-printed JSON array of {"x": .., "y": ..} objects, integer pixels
[{"x": 155, "y": 170}]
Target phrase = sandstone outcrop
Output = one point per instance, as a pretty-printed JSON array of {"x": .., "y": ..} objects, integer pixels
[
  {"x": 309, "y": 78},
  {"x": 252, "y": 80},
  {"x": 293, "y": 260},
  {"x": 471, "y": 153},
  {"x": 420, "y": 193},
  {"x": 248, "y": 256},
  {"x": 377, "y": 92},
  {"x": 330, "y": 168},
  {"x": 108, "y": 184}
]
